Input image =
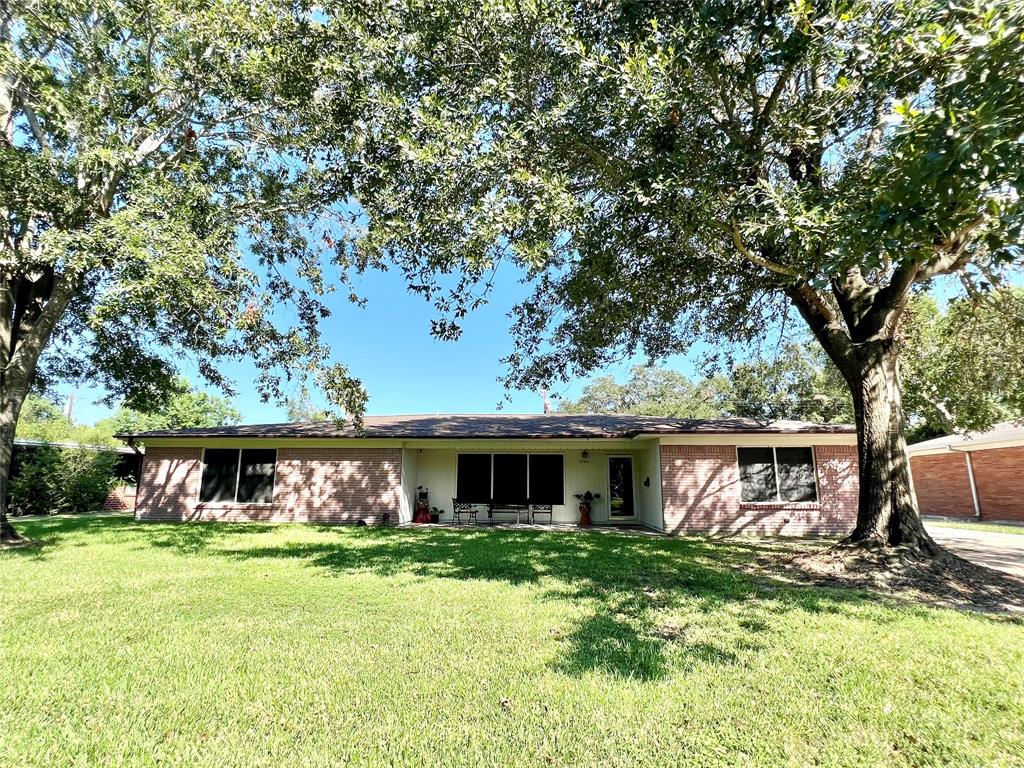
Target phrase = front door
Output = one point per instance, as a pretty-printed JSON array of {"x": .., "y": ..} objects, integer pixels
[{"x": 621, "y": 500}]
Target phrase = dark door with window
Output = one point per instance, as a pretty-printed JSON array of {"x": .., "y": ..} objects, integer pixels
[{"x": 621, "y": 504}]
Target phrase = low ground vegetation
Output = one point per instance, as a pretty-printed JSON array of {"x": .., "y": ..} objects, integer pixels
[{"x": 239, "y": 645}]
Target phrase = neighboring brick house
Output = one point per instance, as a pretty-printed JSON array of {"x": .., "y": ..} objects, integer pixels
[
  {"x": 670, "y": 475},
  {"x": 977, "y": 475}
]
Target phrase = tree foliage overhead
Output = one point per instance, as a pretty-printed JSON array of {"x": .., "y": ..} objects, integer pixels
[
  {"x": 683, "y": 169},
  {"x": 143, "y": 147}
]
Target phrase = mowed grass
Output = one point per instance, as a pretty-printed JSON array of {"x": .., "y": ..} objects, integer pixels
[
  {"x": 241, "y": 645},
  {"x": 979, "y": 526}
]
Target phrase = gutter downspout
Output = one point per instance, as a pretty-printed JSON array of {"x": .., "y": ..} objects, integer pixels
[{"x": 974, "y": 485}]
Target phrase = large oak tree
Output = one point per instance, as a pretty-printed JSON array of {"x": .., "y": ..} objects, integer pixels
[
  {"x": 143, "y": 146},
  {"x": 673, "y": 170}
]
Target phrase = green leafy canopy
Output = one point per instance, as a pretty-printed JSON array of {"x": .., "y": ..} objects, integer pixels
[
  {"x": 145, "y": 149},
  {"x": 668, "y": 171}
]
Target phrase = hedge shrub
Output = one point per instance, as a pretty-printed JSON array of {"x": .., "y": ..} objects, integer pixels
[{"x": 51, "y": 481}]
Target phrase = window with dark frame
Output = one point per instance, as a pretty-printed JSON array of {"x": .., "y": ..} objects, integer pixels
[
  {"x": 796, "y": 474},
  {"x": 243, "y": 475},
  {"x": 777, "y": 474},
  {"x": 256, "y": 476},
  {"x": 510, "y": 478}
]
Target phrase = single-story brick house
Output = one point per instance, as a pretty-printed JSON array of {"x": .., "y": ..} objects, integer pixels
[
  {"x": 669, "y": 475},
  {"x": 978, "y": 475}
]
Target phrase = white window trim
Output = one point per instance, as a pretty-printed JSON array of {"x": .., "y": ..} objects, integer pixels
[
  {"x": 778, "y": 490},
  {"x": 238, "y": 477},
  {"x": 492, "y": 454}
]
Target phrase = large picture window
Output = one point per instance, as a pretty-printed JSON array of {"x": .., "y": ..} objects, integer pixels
[
  {"x": 244, "y": 475},
  {"x": 510, "y": 478},
  {"x": 777, "y": 474}
]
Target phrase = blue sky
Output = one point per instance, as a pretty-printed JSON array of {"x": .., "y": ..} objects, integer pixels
[{"x": 388, "y": 345}]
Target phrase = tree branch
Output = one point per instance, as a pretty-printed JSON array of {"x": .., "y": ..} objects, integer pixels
[
  {"x": 22, "y": 363},
  {"x": 6, "y": 308},
  {"x": 737, "y": 240},
  {"x": 824, "y": 324},
  {"x": 8, "y": 82},
  {"x": 952, "y": 252},
  {"x": 761, "y": 117},
  {"x": 38, "y": 133}
]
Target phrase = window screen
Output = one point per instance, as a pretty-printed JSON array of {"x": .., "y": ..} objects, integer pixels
[
  {"x": 510, "y": 478},
  {"x": 757, "y": 474},
  {"x": 256, "y": 477},
  {"x": 796, "y": 474},
  {"x": 220, "y": 472},
  {"x": 547, "y": 484},
  {"x": 473, "y": 479}
]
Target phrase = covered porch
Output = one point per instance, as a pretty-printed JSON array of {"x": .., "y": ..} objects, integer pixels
[{"x": 535, "y": 482}]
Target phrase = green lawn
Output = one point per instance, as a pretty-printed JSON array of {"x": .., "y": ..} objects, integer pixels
[
  {"x": 972, "y": 526},
  {"x": 231, "y": 645}
]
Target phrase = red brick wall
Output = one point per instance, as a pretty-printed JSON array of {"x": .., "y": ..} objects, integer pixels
[
  {"x": 999, "y": 475},
  {"x": 169, "y": 483},
  {"x": 120, "y": 499},
  {"x": 942, "y": 485},
  {"x": 700, "y": 489},
  {"x": 325, "y": 485}
]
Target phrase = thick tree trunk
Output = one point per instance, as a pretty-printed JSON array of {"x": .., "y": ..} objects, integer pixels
[
  {"x": 887, "y": 514},
  {"x": 9, "y": 410},
  {"x": 26, "y": 325}
]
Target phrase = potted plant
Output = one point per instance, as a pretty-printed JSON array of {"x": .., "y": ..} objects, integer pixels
[
  {"x": 586, "y": 500},
  {"x": 435, "y": 514}
]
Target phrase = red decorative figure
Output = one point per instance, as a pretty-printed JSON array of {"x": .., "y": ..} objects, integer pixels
[{"x": 422, "y": 513}]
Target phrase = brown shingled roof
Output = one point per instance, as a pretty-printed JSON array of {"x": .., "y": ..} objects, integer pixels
[{"x": 505, "y": 426}]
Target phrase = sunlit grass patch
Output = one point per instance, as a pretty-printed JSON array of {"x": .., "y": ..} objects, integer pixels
[{"x": 232, "y": 645}]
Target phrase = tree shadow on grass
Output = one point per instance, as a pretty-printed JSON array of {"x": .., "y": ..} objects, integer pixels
[
  {"x": 43, "y": 533},
  {"x": 197, "y": 538},
  {"x": 628, "y": 587}
]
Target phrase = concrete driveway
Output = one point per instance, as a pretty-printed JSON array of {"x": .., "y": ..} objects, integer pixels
[{"x": 1002, "y": 551}]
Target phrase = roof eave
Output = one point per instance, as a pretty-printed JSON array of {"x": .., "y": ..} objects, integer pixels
[{"x": 629, "y": 435}]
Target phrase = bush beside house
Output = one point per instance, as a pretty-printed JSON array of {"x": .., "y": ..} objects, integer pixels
[{"x": 50, "y": 480}]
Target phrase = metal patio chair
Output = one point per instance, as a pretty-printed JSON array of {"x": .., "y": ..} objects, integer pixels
[
  {"x": 467, "y": 508},
  {"x": 542, "y": 509}
]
